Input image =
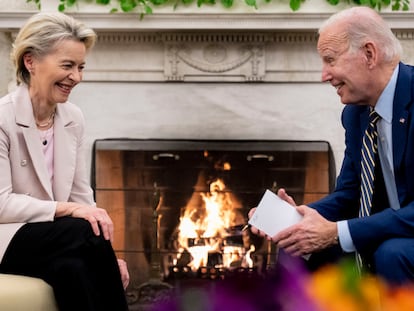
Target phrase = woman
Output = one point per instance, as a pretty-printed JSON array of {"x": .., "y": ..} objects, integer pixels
[{"x": 50, "y": 227}]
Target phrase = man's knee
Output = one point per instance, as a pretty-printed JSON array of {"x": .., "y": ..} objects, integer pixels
[{"x": 393, "y": 260}]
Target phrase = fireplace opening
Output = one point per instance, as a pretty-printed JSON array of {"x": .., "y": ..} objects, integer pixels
[{"x": 179, "y": 206}]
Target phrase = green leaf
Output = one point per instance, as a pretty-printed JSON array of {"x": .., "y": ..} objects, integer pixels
[
  {"x": 130, "y": 5},
  {"x": 158, "y": 2},
  {"x": 148, "y": 9},
  {"x": 333, "y": 2},
  {"x": 127, "y": 5},
  {"x": 37, "y": 2},
  {"x": 103, "y": 1},
  {"x": 295, "y": 4},
  {"x": 201, "y": 2},
  {"x": 364, "y": 2},
  {"x": 227, "y": 3},
  {"x": 375, "y": 3},
  {"x": 252, "y": 3},
  {"x": 395, "y": 6}
]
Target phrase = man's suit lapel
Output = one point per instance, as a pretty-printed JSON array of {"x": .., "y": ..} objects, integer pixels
[{"x": 402, "y": 101}]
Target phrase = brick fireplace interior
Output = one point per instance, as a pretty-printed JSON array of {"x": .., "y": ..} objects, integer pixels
[{"x": 147, "y": 185}]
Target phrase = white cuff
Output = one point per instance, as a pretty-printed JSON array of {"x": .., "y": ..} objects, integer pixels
[{"x": 345, "y": 239}]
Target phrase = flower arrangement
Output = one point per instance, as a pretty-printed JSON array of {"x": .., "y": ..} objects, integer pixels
[
  {"x": 290, "y": 287},
  {"x": 341, "y": 288}
]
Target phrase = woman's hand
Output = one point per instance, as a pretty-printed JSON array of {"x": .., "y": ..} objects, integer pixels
[
  {"x": 97, "y": 217},
  {"x": 124, "y": 272}
]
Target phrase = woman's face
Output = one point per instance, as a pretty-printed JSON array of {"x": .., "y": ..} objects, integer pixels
[{"x": 54, "y": 75}]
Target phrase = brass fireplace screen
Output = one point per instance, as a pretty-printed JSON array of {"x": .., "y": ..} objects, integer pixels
[{"x": 179, "y": 205}]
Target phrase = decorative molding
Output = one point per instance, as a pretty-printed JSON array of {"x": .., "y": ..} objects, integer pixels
[
  {"x": 10, "y": 21},
  {"x": 407, "y": 34},
  {"x": 277, "y": 47},
  {"x": 204, "y": 56},
  {"x": 219, "y": 60},
  {"x": 128, "y": 38},
  {"x": 210, "y": 56}
]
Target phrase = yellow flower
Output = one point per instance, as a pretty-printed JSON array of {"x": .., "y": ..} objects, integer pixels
[
  {"x": 399, "y": 299},
  {"x": 340, "y": 288}
]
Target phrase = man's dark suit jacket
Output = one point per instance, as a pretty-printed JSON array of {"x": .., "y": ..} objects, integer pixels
[{"x": 385, "y": 223}]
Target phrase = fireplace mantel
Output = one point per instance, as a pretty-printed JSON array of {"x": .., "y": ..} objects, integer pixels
[
  {"x": 206, "y": 47},
  {"x": 270, "y": 58},
  {"x": 308, "y": 21}
]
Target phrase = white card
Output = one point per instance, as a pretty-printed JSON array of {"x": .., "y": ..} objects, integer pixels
[{"x": 273, "y": 214}]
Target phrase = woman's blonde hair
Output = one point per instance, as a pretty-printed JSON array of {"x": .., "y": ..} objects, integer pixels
[{"x": 41, "y": 33}]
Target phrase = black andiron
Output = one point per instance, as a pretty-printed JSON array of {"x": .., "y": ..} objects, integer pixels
[{"x": 154, "y": 289}]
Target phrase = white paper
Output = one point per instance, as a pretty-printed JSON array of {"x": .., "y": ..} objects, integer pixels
[{"x": 273, "y": 214}]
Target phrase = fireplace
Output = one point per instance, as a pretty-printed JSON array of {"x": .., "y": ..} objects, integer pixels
[{"x": 152, "y": 188}]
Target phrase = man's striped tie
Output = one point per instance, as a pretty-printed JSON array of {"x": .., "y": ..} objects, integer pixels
[{"x": 369, "y": 151}]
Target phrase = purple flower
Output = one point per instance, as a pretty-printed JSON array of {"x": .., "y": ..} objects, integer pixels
[{"x": 281, "y": 289}]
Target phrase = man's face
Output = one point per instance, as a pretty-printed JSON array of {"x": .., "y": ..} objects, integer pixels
[{"x": 344, "y": 69}]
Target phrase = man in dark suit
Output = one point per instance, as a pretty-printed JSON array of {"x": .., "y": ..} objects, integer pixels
[{"x": 361, "y": 59}]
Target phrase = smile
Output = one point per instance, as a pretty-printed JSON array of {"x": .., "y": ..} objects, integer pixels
[{"x": 64, "y": 88}]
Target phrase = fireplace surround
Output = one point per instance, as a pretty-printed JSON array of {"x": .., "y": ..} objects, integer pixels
[{"x": 147, "y": 184}]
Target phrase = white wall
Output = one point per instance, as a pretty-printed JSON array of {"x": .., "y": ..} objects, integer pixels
[
  {"x": 292, "y": 111},
  {"x": 124, "y": 95}
]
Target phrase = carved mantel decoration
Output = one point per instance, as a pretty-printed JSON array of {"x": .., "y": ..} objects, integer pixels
[
  {"x": 206, "y": 56},
  {"x": 213, "y": 56},
  {"x": 242, "y": 47}
]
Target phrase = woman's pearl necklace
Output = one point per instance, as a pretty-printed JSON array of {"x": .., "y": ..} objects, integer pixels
[{"x": 48, "y": 122}]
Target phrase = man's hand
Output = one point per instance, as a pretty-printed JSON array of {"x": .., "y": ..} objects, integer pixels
[
  {"x": 284, "y": 196},
  {"x": 313, "y": 233}
]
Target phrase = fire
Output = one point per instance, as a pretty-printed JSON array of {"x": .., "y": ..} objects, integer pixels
[{"x": 209, "y": 230}]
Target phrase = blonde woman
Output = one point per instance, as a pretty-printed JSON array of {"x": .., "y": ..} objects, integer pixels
[{"x": 50, "y": 227}]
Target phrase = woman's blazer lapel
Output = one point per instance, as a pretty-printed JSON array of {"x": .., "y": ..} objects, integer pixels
[
  {"x": 25, "y": 119},
  {"x": 66, "y": 139}
]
